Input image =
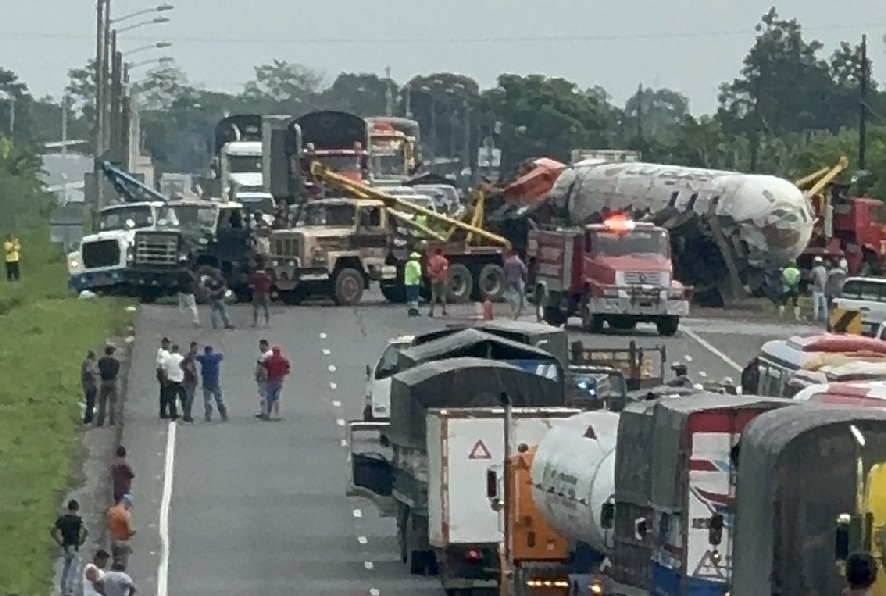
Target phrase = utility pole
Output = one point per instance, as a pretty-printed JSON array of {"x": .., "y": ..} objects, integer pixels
[
  {"x": 106, "y": 51},
  {"x": 115, "y": 103},
  {"x": 389, "y": 94},
  {"x": 863, "y": 105},
  {"x": 640, "y": 114},
  {"x": 466, "y": 147},
  {"x": 101, "y": 18}
]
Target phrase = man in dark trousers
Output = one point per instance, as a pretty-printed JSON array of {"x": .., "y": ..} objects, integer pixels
[
  {"x": 108, "y": 370},
  {"x": 89, "y": 381},
  {"x": 162, "y": 354},
  {"x": 174, "y": 391},
  {"x": 278, "y": 369},
  {"x": 218, "y": 310},
  {"x": 210, "y": 370},
  {"x": 187, "y": 284},
  {"x": 189, "y": 365},
  {"x": 70, "y": 534},
  {"x": 121, "y": 474},
  {"x": 261, "y": 293}
]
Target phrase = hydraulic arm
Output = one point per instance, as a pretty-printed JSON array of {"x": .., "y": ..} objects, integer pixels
[{"x": 130, "y": 189}]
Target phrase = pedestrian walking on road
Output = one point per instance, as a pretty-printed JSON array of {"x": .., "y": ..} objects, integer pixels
[
  {"x": 790, "y": 289},
  {"x": 818, "y": 281},
  {"x": 108, "y": 370},
  {"x": 189, "y": 366},
  {"x": 438, "y": 271},
  {"x": 278, "y": 369},
  {"x": 13, "y": 249},
  {"x": 836, "y": 278},
  {"x": 162, "y": 355},
  {"x": 261, "y": 293},
  {"x": 70, "y": 534},
  {"x": 94, "y": 572},
  {"x": 412, "y": 282},
  {"x": 210, "y": 370},
  {"x": 89, "y": 379},
  {"x": 218, "y": 310},
  {"x": 121, "y": 475},
  {"x": 120, "y": 529},
  {"x": 515, "y": 282},
  {"x": 117, "y": 582},
  {"x": 261, "y": 375},
  {"x": 187, "y": 289},
  {"x": 174, "y": 390}
]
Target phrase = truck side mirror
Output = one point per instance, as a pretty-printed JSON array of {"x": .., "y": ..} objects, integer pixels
[
  {"x": 607, "y": 516},
  {"x": 715, "y": 529},
  {"x": 491, "y": 485},
  {"x": 641, "y": 528},
  {"x": 842, "y": 538}
]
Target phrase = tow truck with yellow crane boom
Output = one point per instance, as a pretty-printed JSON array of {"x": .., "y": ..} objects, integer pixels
[
  {"x": 341, "y": 244},
  {"x": 846, "y": 226}
]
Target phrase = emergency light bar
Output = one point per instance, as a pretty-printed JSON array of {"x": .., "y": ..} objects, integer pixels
[{"x": 619, "y": 224}]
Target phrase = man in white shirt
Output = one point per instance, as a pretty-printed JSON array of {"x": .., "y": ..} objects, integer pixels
[
  {"x": 117, "y": 582},
  {"x": 261, "y": 374},
  {"x": 94, "y": 572},
  {"x": 174, "y": 390},
  {"x": 162, "y": 354}
]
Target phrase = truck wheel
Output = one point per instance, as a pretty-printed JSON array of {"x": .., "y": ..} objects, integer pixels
[
  {"x": 667, "y": 326},
  {"x": 461, "y": 284},
  {"x": 348, "y": 287},
  {"x": 553, "y": 316},
  {"x": 394, "y": 294},
  {"x": 491, "y": 282}
]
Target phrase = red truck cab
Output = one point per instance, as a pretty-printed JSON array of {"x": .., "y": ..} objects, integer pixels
[{"x": 618, "y": 272}]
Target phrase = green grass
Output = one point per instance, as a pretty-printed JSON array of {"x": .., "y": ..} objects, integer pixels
[{"x": 44, "y": 334}]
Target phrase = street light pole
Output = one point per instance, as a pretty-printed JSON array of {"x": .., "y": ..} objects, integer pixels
[{"x": 102, "y": 18}]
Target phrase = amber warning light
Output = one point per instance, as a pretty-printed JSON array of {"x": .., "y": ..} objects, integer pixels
[{"x": 619, "y": 224}]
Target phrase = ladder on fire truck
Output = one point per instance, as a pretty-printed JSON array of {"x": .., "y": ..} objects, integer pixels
[
  {"x": 401, "y": 209},
  {"x": 128, "y": 187}
]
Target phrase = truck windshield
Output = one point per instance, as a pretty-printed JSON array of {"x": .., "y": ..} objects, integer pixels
[
  {"x": 189, "y": 216},
  {"x": 610, "y": 244},
  {"x": 318, "y": 214},
  {"x": 238, "y": 164},
  {"x": 388, "y": 156},
  {"x": 116, "y": 217},
  {"x": 341, "y": 163}
]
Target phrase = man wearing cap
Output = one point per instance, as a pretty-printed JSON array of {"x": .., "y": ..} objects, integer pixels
[
  {"x": 412, "y": 282},
  {"x": 818, "y": 279},
  {"x": 121, "y": 530},
  {"x": 681, "y": 376}
]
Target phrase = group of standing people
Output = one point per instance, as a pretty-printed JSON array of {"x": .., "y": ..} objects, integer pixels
[
  {"x": 217, "y": 288},
  {"x": 70, "y": 534},
  {"x": 178, "y": 378},
  {"x": 437, "y": 271},
  {"x": 100, "y": 378},
  {"x": 825, "y": 282}
]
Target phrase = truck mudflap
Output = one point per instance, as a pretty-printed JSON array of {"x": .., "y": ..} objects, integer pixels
[{"x": 371, "y": 473}]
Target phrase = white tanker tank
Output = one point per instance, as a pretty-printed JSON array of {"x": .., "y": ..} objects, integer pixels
[
  {"x": 573, "y": 476},
  {"x": 766, "y": 221}
]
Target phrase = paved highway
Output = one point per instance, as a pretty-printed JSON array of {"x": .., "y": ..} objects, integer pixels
[{"x": 251, "y": 507}]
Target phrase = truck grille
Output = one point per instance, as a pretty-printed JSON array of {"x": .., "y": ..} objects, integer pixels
[
  {"x": 652, "y": 278},
  {"x": 286, "y": 248},
  {"x": 101, "y": 253},
  {"x": 156, "y": 249}
]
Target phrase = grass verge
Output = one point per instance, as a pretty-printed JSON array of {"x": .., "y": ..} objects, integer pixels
[{"x": 44, "y": 338}]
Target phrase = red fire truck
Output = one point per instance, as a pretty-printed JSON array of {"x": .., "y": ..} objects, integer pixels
[{"x": 618, "y": 272}]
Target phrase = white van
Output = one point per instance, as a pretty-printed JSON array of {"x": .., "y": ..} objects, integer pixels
[
  {"x": 378, "y": 380},
  {"x": 868, "y": 296}
]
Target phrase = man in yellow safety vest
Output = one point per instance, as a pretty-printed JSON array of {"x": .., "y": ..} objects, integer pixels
[{"x": 13, "y": 248}]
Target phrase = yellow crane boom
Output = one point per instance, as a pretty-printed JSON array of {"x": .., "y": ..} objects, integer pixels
[
  {"x": 822, "y": 178},
  {"x": 396, "y": 205}
]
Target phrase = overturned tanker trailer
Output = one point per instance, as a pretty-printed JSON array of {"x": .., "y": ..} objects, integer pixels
[{"x": 730, "y": 232}]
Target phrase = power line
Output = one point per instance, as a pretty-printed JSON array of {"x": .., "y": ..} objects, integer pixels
[{"x": 441, "y": 40}]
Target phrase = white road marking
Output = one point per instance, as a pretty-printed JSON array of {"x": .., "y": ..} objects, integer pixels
[
  {"x": 332, "y": 385},
  {"x": 325, "y": 352},
  {"x": 340, "y": 422},
  {"x": 358, "y": 513},
  {"x": 710, "y": 348},
  {"x": 331, "y": 368},
  {"x": 702, "y": 374},
  {"x": 322, "y": 336},
  {"x": 687, "y": 358},
  {"x": 344, "y": 442},
  {"x": 368, "y": 565},
  {"x": 336, "y": 404},
  {"x": 166, "y": 499},
  {"x": 374, "y": 592},
  {"x": 362, "y": 539}
]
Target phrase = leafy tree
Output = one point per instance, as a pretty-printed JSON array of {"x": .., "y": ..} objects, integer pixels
[
  {"x": 655, "y": 111},
  {"x": 284, "y": 83},
  {"x": 362, "y": 93},
  {"x": 81, "y": 90}
]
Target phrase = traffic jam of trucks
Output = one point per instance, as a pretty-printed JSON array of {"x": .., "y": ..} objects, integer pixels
[{"x": 514, "y": 461}]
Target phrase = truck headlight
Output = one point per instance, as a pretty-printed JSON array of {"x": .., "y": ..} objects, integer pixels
[
  {"x": 182, "y": 258},
  {"x": 319, "y": 255}
]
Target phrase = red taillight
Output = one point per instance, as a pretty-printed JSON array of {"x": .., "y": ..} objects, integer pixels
[{"x": 473, "y": 556}]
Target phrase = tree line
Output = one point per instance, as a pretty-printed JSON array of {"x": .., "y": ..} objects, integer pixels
[{"x": 790, "y": 110}]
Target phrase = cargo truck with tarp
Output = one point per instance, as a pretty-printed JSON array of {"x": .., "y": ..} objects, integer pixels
[
  {"x": 445, "y": 430},
  {"x": 811, "y": 485}
]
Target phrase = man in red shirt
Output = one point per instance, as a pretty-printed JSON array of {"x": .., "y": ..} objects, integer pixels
[
  {"x": 261, "y": 293},
  {"x": 278, "y": 369},
  {"x": 438, "y": 271}
]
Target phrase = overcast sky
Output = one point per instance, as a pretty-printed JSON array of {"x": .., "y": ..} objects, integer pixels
[{"x": 670, "y": 44}]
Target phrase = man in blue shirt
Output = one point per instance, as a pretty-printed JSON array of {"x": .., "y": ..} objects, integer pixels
[{"x": 210, "y": 370}]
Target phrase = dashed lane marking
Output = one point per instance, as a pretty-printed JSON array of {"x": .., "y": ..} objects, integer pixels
[
  {"x": 362, "y": 539},
  {"x": 325, "y": 352},
  {"x": 340, "y": 422},
  {"x": 344, "y": 442},
  {"x": 322, "y": 336},
  {"x": 702, "y": 374},
  {"x": 331, "y": 368},
  {"x": 368, "y": 565},
  {"x": 713, "y": 350},
  {"x": 374, "y": 592},
  {"x": 336, "y": 404},
  {"x": 687, "y": 358},
  {"x": 332, "y": 385},
  {"x": 358, "y": 513}
]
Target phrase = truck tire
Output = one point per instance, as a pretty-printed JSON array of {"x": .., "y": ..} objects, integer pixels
[
  {"x": 491, "y": 282},
  {"x": 667, "y": 326},
  {"x": 461, "y": 284},
  {"x": 553, "y": 316},
  {"x": 349, "y": 285}
]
